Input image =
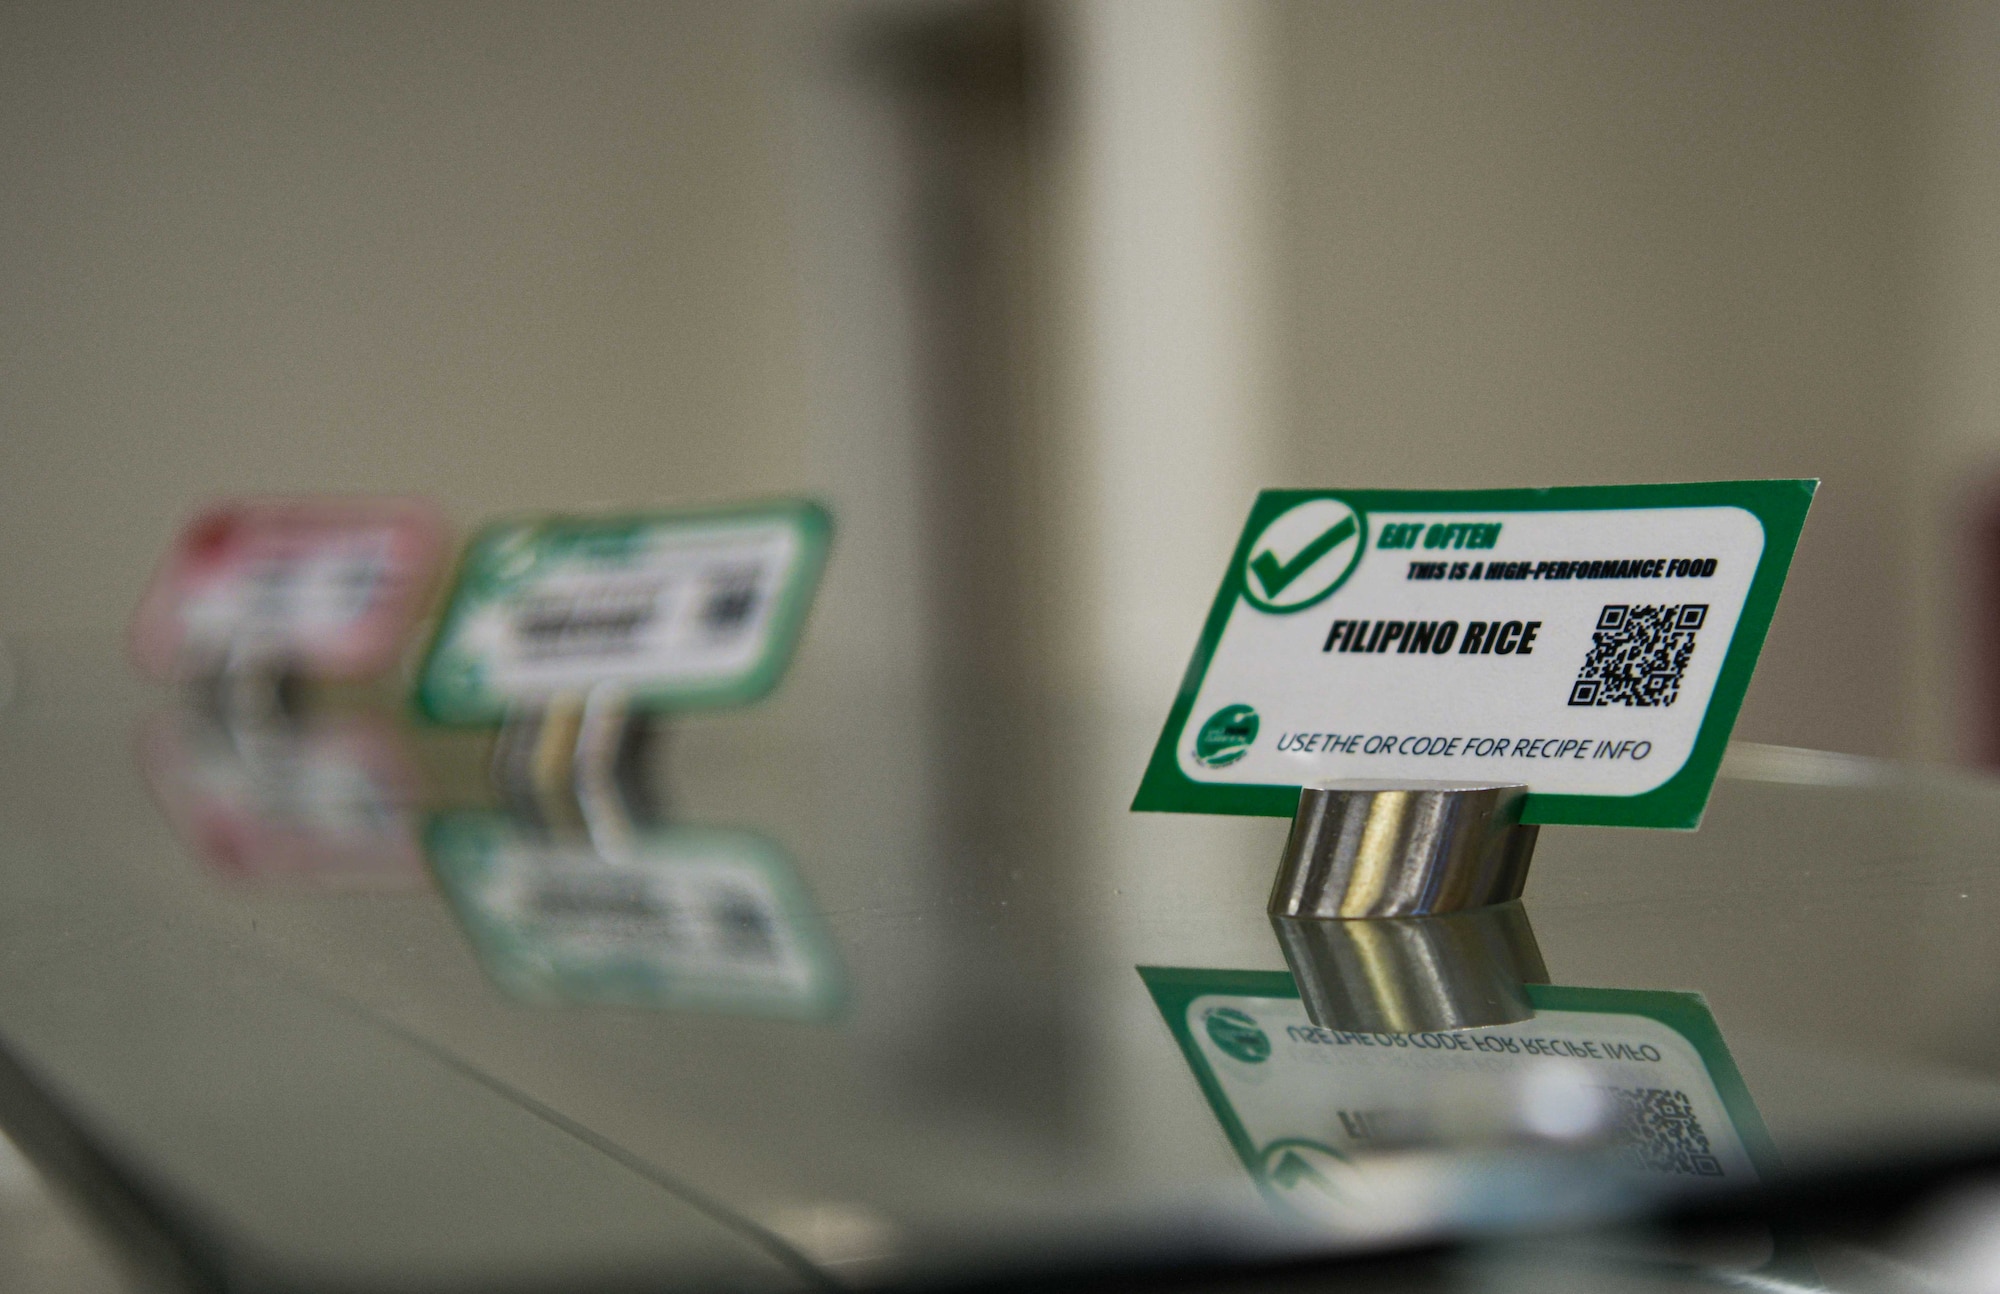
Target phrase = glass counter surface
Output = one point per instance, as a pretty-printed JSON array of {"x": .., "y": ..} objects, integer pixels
[{"x": 268, "y": 1064}]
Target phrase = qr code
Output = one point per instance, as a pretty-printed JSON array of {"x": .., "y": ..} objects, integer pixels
[
  {"x": 1638, "y": 655},
  {"x": 732, "y": 596},
  {"x": 1657, "y": 1131}
]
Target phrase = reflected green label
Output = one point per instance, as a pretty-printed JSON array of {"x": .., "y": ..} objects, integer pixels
[
  {"x": 689, "y": 917},
  {"x": 1300, "y": 1103}
]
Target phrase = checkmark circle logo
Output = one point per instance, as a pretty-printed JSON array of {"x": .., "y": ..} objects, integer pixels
[{"x": 1303, "y": 555}]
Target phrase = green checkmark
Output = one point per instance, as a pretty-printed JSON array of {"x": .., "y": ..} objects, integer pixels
[{"x": 1274, "y": 575}]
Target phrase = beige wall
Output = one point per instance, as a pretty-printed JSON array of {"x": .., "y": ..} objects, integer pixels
[
  {"x": 1955, "y": 221},
  {"x": 1572, "y": 242},
  {"x": 520, "y": 256},
  {"x": 511, "y": 256}
]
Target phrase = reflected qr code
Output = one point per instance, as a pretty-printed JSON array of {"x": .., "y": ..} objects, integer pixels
[
  {"x": 1657, "y": 1131},
  {"x": 1638, "y": 655}
]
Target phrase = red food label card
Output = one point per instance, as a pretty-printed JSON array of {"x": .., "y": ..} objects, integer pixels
[{"x": 328, "y": 587}]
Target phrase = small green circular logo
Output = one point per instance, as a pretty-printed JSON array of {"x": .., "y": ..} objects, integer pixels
[
  {"x": 1237, "y": 1034},
  {"x": 1303, "y": 555},
  {"x": 1226, "y": 737}
]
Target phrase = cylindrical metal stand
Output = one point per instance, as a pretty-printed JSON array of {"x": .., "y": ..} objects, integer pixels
[
  {"x": 1414, "y": 974},
  {"x": 1394, "y": 904},
  {"x": 1360, "y": 849}
]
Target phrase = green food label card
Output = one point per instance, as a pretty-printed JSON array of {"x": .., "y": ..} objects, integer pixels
[
  {"x": 1300, "y": 1104},
  {"x": 1591, "y": 642},
  {"x": 679, "y": 609}
]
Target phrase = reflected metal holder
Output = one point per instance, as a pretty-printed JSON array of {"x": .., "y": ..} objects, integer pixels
[{"x": 1397, "y": 907}]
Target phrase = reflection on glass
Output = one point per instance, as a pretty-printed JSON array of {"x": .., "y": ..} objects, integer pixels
[
  {"x": 321, "y": 801},
  {"x": 1368, "y": 1129},
  {"x": 1414, "y": 974},
  {"x": 692, "y": 917}
]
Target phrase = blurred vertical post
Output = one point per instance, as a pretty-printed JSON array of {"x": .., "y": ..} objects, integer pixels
[
  {"x": 1955, "y": 710},
  {"x": 1164, "y": 165},
  {"x": 1165, "y": 191},
  {"x": 1044, "y": 307}
]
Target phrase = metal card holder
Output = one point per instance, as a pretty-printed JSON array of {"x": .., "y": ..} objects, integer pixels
[
  {"x": 244, "y": 687},
  {"x": 1396, "y": 905},
  {"x": 581, "y": 762}
]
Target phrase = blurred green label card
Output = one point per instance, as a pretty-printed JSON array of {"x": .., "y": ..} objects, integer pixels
[
  {"x": 1592, "y": 642},
  {"x": 680, "y": 609}
]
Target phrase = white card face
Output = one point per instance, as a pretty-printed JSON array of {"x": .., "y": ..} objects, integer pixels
[
  {"x": 678, "y": 610},
  {"x": 691, "y": 606},
  {"x": 1596, "y": 653},
  {"x": 1450, "y": 704}
]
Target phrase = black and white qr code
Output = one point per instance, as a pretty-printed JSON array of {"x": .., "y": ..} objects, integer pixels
[
  {"x": 1638, "y": 655},
  {"x": 1656, "y": 1130},
  {"x": 731, "y": 597}
]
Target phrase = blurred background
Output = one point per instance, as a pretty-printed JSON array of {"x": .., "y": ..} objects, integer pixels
[{"x": 1034, "y": 295}]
